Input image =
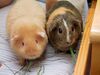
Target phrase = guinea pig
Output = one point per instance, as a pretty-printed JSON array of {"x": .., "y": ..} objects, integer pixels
[
  {"x": 26, "y": 29},
  {"x": 64, "y": 25}
]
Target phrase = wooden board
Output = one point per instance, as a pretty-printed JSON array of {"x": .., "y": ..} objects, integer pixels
[
  {"x": 95, "y": 40},
  {"x": 95, "y": 30},
  {"x": 95, "y": 61},
  {"x": 84, "y": 48}
]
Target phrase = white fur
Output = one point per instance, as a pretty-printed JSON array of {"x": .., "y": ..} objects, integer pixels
[
  {"x": 66, "y": 26},
  {"x": 42, "y": 34}
]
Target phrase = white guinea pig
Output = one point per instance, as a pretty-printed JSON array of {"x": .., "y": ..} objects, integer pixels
[{"x": 26, "y": 29}]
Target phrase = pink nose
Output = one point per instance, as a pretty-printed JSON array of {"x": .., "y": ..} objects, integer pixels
[{"x": 31, "y": 52}]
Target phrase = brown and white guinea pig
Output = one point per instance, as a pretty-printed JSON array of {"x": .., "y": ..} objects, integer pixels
[
  {"x": 26, "y": 29},
  {"x": 64, "y": 25}
]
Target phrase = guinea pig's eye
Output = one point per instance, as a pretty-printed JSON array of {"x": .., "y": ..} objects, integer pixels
[
  {"x": 60, "y": 30},
  {"x": 72, "y": 28},
  {"x": 22, "y": 43},
  {"x": 36, "y": 41}
]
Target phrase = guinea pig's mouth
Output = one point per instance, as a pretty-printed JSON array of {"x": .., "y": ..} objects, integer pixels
[{"x": 31, "y": 57}]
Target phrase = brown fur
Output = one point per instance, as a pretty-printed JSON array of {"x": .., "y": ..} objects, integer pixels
[{"x": 64, "y": 25}]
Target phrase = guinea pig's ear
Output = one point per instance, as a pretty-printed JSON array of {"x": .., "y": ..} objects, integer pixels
[
  {"x": 42, "y": 34},
  {"x": 15, "y": 39},
  {"x": 78, "y": 23}
]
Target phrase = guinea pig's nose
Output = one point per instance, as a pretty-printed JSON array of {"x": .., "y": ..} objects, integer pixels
[{"x": 32, "y": 52}]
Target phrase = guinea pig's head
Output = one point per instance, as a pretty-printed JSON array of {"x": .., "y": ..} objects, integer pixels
[
  {"x": 64, "y": 30},
  {"x": 28, "y": 41}
]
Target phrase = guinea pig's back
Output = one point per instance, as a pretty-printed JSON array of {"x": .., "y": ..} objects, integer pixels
[
  {"x": 64, "y": 4},
  {"x": 26, "y": 9}
]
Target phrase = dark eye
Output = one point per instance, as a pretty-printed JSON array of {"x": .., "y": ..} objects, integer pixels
[
  {"x": 36, "y": 41},
  {"x": 72, "y": 28},
  {"x": 60, "y": 30},
  {"x": 22, "y": 43}
]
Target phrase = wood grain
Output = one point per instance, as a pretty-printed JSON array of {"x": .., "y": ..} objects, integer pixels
[
  {"x": 95, "y": 30},
  {"x": 95, "y": 39},
  {"x": 84, "y": 48},
  {"x": 95, "y": 61}
]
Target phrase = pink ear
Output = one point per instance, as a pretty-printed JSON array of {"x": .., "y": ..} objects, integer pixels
[
  {"x": 14, "y": 37},
  {"x": 42, "y": 34}
]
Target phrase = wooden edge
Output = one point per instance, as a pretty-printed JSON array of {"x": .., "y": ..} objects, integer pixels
[
  {"x": 95, "y": 29},
  {"x": 84, "y": 48}
]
